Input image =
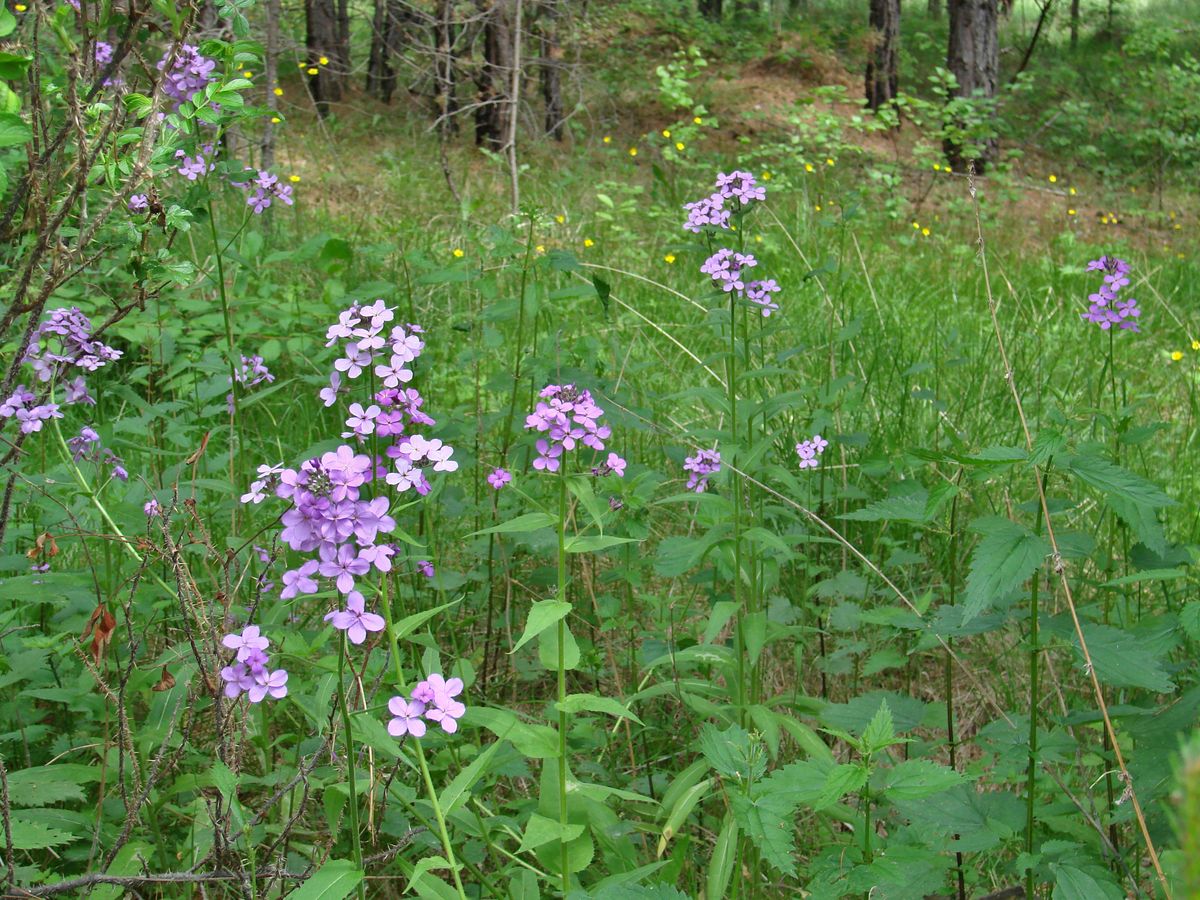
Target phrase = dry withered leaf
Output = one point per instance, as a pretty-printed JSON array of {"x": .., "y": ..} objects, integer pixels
[
  {"x": 100, "y": 625},
  {"x": 195, "y": 457},
  {"x": 165, "y": 682}
]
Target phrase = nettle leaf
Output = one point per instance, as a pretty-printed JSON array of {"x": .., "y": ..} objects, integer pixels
[
  {"x": 880, "y": 731},
  {"x": 767, "y": 821},
  {"x": 918, "y": 778},
  {"x": 732, "y": 752},
  {"x": 854, "y": 715},
  {"x": 1121, "y": 658},
  {"x": 841, "y": 780},
  {"x": 1114, "y": 481},
  {"x": 1093, "y": 883},
  {"x": 1142, "y": 520},
  {"x": 974, "y": 820},
  {"x": 1004, "y": 560},
  {"x": 34, "y": 835},
  {"x": 50, "y": 784},
  {"x": 909, "y": 508}
]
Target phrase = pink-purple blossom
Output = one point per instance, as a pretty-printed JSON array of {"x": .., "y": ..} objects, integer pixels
[
  {"x": 354, "y": 619},
  {"x": 700, "y": 467},
  {"x": 498, "y": 478}
]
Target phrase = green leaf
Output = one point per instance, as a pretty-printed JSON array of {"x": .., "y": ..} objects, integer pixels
[
  {"x": 458, "y": 790},
  {"x": 590, "y": 702},
  {"x": 548, "y": 649},
  {"x": 49, "y": 784},
  {"x": 593, "y": 542},
  {"x": 409, "y": 624},
  {"x": 1121, "y": 658},
  {"x": 918, "y": 778},
  {"x": 520, "y": 525},
  {"x": 909, "y": 508},
  {"x": 1094, "y": 883},
  {"x": 1142, "y": 520},
  {"x": 732, "y": 753},
  {"x": 880, "y": 731},
  {"x": 534, "y": 741},
  {"x": 1004, "y": 560},
  {"x": 841, "y": 780},
  {"x": 680, "y": 811},
  {"x": 8, "y": 22},
  {"x": 1114, "y": 481},
  {"x": 542, "y": 615},
  {"x": 34, "y": 835},
  {"x": 541, "y": 830},
  {"x": 767, "y": 821},
  {"x": 333, "y": 881},
  {"x": 14, "y": 131},
  {"x": 724, "y": 855},
  {"x": 981, "y": 820}
]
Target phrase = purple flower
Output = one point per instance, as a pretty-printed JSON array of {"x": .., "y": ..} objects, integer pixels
[
  {"x": 706, "y": 213},
  {"x": 237, "y": 679},
  {"x": 1106, "y": 307},
  {"x": 809, "y": 450},
  {"x": 568, "y": 417},
  {"x": 329, "y": 394},
  {"x": 445, "y": 709},
  {"x": 343, "y": 564},
  {"x": 760, "y": 292},
  {"x": 741, "y": 187},
  {"x": 498, "y": 478},
  {"x": 188, "y": 73},
  {"x": 192, "y": 168},
  {"x": 77, "y": 392},
  {"x": 20, "y": 397},
  {"x": 139, "y": 203},
  {"x": 425, "y": 567},
  {"x": 699, "y": 467},
  {"x": 31, "y": 419},
  {"x": 726, "y": 266},
  {"x": 406, "y": 717},
  {"x": 253, "y": 371},
  {"x": 273, "y": 683},
  {"x": 354, "y": 620},
  {"x": 300, "y": 581},
  {"x": 246, "y": 643},
  {"x": 81, "y": 445},
  {"x": 613, "y": 465},
  {"x": 361, "y": 421},
  {"x": 152, "y": 509}
]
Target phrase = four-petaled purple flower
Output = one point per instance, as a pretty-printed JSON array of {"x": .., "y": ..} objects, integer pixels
[
  {"x": 354, "y": 620},
  {"x": 699, "y": 467},
  {"x": 406, "y": 717},
  {"x": 809, "y": 450},
  {"x": 1107, "y": 308},
  {"x": 498, "y": 478}
]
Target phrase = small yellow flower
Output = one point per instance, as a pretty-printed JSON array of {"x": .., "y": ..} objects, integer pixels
[
  {"x": 669, "y": 259},
  {"x": 633, "y": 151},
  {"x": 20, "y": 7},
  {"x": 312, "y": 70},
  {"x": 697, "y": 121},
  {"x": 1196, "y": 345},
  {"x": 324, "y": 60},
  {"x": 607, "y": 139},
  {"x": 1178, "y": 227},
  {"x": 817, "y": 207},
  {"x": 828, "y": 161},
  {"x": 1176, "y": 356},
  {"x": 766, "y": 176},
  {"x": 1171, "y": 215},
  {"x": 1104, "y": 220},
  {"x": 278, "y": 92},
  {"x": 275, "y": 120},
  {"x": 588, "y": 242},
  {"x": 758, "y": 239},
  {"x": 301, "y": 65},
  {"x": 560, "y": 218},
  {"x": 924, "y": 232},
  {"x": 917, "y": 225},
  {"x": 808, "y": 167},
  {"x": 1053, "y": 179},
  {"x": 457, "y": 252},
  {"x": 666, "y": 132},
  {"x": 541, "y": 248},
  {"x": 293, "y": 178},
  {"x": 1070, "y": 212},
  {"x": 937, "y": 167},
  {"x": 247, "y": 74},
  {"x": 679, "y": 146},
  {"x": 1179, "y": 256},
  {"x": 1071, "y": 191}
]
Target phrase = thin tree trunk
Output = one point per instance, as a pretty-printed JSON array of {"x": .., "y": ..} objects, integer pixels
[
  {"x": 271, "y": 73},
  {"x": 321, "y": 42},
  {"x": 1033, "y": 42},
  {"x": 444, "y": 69},
  {"x": 974, "y": 59},
  {"x": 883, "y": 58},
  {"x": 1074, "y": 23},
  {"x": 494, "y": 75},
  {"x": 551, "y": 58},
  {"x": 343, "y": 39},
  {"x": 385, "y": 27}
]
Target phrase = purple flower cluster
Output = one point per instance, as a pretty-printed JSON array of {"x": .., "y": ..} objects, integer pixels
[
  {"x": 699, "y": 467},
  {"x": 432, "y": 699},
  {"x": 189, "y": 72},
  {"x": 809, "y": 450},
  {"x": 65, "y": 339},
  {"x": 22, "y": 406},
  {"x": 760, "y": 292},
  {"x": 568, "y": 417},
  {"x": 86, "y": 446},
  {"x": 725, "y": 267},
  {"x": 1107, "y": 307},
  {"x": 733, "y": 193},
  {"x": 253, "y": 372},
  {"x": 249, "y": 673},
  {"x": 498, "y": 478},
  {"x": 264, "y": 188},
  {"x": 372, "y": 345}
]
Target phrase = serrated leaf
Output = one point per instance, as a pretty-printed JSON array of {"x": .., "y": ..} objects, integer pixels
[
  {"x": 841, "y": 780},
  {"x": 1121, "y": 659},
  {"x": 34, "y": 835},
  {"x": 1004, "y": 559},
  {"x": 49, "y": 784},
  {"x": 1114, "y": 481},
  {"x": 909, "y": 508},
  {"x": 1142, "y": 520},
  {"x": 732, "y": 752},
  {"x": 918, "y": 778},
  {"x": 1094, "y": 883},
  {"x": 540, "y": 830},
  {"x": 880, "y": 731},
  {"x": 767, "y": 821}
]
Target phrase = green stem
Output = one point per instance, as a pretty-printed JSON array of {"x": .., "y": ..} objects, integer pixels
[
  {"x": 233, "y": 382},
  {"x": 348, "y": 729},
  {"x": 1034, "y": 699},
  {"x": 441, "y": 820},
  {"x": 562, "y": 681}
]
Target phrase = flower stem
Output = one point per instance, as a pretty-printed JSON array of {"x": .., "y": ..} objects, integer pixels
[
  {"x": 441, "y": 820},
  {"x": 562, "y": 681},
  {"x": 348, "y": 729},
  {"x": 1034, "y": 691}
]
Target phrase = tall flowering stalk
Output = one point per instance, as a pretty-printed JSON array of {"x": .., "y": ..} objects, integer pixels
[{"x": 569, "y": 419}]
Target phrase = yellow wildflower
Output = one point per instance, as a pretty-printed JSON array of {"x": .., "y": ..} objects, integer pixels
[
  {"x": 324, "y": 60},
  {"x": 679, "y": 146},
  {"x": 278, "y": 92},
  {"x": 669, "y": 258},
  {"x": 607, "y": 139},
  {"x": 588, "y": 242},
  {"x": 1053, "y": 179},
  {"x": 293, "y": 178},
  {"x": 458, "y": 254},
  {"x": 1176, "y": 356},
  {"x": 312, "y": 70},
  {"x": 666, "y": 132},
  {"x": 633, "y": 151}
]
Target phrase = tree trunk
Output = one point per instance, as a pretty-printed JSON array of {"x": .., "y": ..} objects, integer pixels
[
  {"x": 445, "y": 35},
  {"x": 381, "y": 76},
  {"x": 974, "y": 59},
  {"x": 271, "y": 73},
  {"x": 883, "y": 58},
  {"x": 1074, "y": 23},
  {"x": 494, "y": 75},
  {"x": 321, "y": 41},
  {"x": 551, "y": 66},
  {"x": 711, "y": 9}
]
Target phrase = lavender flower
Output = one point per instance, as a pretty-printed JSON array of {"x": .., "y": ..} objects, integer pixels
[
  {"x": 425, "y": 567},
  {"x": 445, "y": 710},
  {"x": 1107, "y": 307},
  {"x": 699, "y": 467},
  {"x": 406, "y": 717},
  {"x": 188, "y": 73},
  {"x": 152, "y": 509},
  {"x": 733, "y": 193},
  {"x": 249, "y": 673},
  {"x": 246, "y": 643},
  {"x": 62, "y": 340},
  {"x": 265, "y": 682},
  {"x": 612, "y": 465},
  {"x": 568, "y": 417},
  {"x": 139, "y": 203},
  {"x": 498, "y": 478},
  {"x": 354, "y": 620},
  {"x": 809, "y": 450},
  {"x": 726, "y": 266},
  {"x": 760, "y": 292}
]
